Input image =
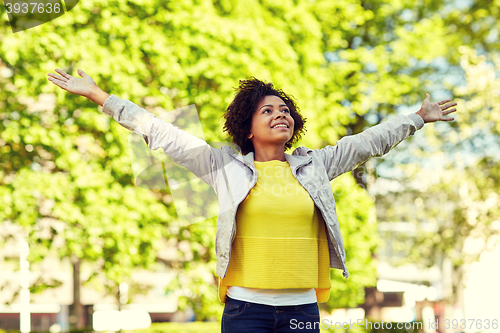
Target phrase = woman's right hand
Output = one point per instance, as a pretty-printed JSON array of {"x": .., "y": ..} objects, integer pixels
[{"x": 83, "y": 87}]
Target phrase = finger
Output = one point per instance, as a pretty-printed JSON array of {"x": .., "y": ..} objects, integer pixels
[
  {"x": 444, "y": 101},
  {"x": 449, "y": 111},
  {"x": 58, "y": 83},
  {"x": 447, "y": 106},
  {"x": 447, "y": 119},
  {"x": 63, "y": 73},
  {"x": 57, "y": 77},
  {"x": 82, "y": 73},
  {"x": 428, "y": 97}
]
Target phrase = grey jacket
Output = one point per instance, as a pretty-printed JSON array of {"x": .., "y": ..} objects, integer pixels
[{"x": 233, "y": 175}]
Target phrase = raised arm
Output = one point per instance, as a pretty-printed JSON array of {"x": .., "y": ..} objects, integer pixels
[
  {"x": 185, "y": 149},
  {"x": 353, "y": 150}
]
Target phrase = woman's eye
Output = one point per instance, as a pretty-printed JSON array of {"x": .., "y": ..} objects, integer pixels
[{"x": 284, "y": 110}]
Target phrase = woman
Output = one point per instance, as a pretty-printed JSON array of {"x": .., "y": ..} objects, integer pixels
[{"x": 277, "y": 229}]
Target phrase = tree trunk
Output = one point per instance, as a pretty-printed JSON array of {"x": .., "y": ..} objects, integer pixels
[
  {"x": 77, "y": 313},
  {"x": 448, "y": 292}
]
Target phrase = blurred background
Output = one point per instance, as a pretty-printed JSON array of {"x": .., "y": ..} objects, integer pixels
[{"x": 89, "y": 248}]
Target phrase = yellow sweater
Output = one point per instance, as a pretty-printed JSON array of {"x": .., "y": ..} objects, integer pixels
[{"x": 280, "y": 237}]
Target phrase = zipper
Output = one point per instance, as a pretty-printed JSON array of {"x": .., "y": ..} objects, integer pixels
[
  {"x": 344, "y": 268},
  {"x": 235, "y": 210}
]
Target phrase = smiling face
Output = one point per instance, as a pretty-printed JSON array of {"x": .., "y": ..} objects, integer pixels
[{"x": 272, "y": 123}]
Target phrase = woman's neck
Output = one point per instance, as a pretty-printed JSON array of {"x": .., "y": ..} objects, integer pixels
[{"x": 270, "y": 154}]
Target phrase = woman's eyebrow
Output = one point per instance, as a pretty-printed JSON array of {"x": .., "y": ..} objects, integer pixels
[{"x": 272, "y": 106}]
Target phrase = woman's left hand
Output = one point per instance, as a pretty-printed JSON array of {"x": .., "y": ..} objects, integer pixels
[{"x": 436, "y": 111}]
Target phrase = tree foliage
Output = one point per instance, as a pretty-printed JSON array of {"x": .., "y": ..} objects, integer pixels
[
  {"x": 65, "y": 173},
  {"x": 453, "y": 186}
]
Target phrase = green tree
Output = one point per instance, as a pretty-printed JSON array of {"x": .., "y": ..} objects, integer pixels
[
  {"x": 65, "y": 189},
  {"x": 62, "y": 159},
  {"x": 455, "y": 183}
]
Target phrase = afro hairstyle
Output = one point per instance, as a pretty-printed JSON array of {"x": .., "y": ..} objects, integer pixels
[{"x": 239, "y": 113}]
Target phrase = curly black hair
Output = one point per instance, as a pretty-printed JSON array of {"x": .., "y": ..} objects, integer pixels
[{"x": 239, "y": 113}]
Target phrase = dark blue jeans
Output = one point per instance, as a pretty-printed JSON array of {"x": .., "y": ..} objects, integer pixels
[{"x": 242, "y": 317}]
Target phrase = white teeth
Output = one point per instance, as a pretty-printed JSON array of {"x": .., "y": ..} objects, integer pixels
[{"x": 284, "y": 126}]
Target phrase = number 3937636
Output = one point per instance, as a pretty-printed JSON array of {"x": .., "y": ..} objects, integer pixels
[{"x": 26, "y": 14}]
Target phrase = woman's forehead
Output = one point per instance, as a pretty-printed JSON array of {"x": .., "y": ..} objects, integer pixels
[{"x": 271, "y": 100}]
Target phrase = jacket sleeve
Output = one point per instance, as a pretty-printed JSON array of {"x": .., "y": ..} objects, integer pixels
[
  {"x": 185, "y": 149},
  {"x": 353, "y": 150}
]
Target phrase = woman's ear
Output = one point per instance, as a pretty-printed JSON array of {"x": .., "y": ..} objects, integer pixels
[{"x": 250, "y": 136}]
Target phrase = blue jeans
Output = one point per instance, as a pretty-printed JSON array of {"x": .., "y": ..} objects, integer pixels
[{"x": 246, "y": 317}]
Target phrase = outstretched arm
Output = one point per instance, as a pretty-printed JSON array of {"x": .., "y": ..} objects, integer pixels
[
  {"x": 185, "y": 149},
  {"x": 353, "y": 150}
]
